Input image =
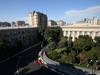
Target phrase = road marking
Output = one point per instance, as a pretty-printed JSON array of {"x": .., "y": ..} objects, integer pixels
[
  {"x": 4, "y": 60},
  {"x": 21, "y": 52},
  {"x": 17, "y": 72}
]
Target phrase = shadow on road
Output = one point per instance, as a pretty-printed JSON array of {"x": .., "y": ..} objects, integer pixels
[
  {"x": 41, "y": 71},
  {"x": 28, "y": 57},
  {"x": 69, "y": 68}
]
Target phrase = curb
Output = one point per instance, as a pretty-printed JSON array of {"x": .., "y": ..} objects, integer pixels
[{"x": 43, "y": 63}]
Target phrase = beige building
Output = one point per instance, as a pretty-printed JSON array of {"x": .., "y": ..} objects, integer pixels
[
  {"x": 28, "y": 36},
  {"x": 75, "y": 31},
  {"x": 98, "y": 22},
  {"x": 61, "y": 22},
  {"x": 95, "y": 21},
  {"x": 20, "y": 23},
  {"x": 37, "y": 19},
  {"x": 51, "y": 23}
]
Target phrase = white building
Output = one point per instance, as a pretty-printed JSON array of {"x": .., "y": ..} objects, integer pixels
[
  {"x": 81, "y": 23},
  {"x": 75, "y": 31}
]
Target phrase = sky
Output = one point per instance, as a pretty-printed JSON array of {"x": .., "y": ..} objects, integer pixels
[{"x": 66, "y": 10}]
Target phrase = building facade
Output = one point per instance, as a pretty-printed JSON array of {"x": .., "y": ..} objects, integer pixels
[
  {"x": 5, "y": 24},
  {"x": 95, "y": 21},
  {"x": 51, "y": 23},
  {"x": 28, "y": 36},
  {"x": 13, "y": 24},
  {"x": 74, "y": 31},
  {"x": 60, "y": 22},
  {"x": 87, "y": 20},
  {"x": 81, "y": 23},
  {"x": 1, "y": 24},
  {"x": 37, "y": 19},
  {"x": 20, "y": 23}
]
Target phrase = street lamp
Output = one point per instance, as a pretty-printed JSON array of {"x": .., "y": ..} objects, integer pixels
[
  {"x": 91, "y": 62},
  {"x": 97, "y": 64}
]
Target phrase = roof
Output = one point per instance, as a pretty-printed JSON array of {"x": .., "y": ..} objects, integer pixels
[{"x": 81, "y": 22}]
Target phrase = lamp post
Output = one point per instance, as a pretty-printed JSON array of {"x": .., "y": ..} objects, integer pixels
[
  {"x": 97, "y": 64},
  {"x": 91, "y": 62}
]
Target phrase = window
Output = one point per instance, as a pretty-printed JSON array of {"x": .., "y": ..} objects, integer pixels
[
  {"x": 80, "y": 33},
  {"x": 66, "y": 32},
  {"x": 91, "y": 33},
  {"x": 96, "y": 34},
  {"x": 85, "y": 33},
  {"x": 75, "y": 32},
  {"x": 71, "y": 33}
]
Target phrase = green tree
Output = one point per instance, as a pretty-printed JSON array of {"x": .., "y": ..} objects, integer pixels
[
  {"x": 53, "y": 34},
  {"x": 96, "y": 52},
  {"x": 72, "y": 56},
  {"x": 93, "y": 54},
  {"x": 97, "y": 39},
  {"x": 69, "y": 45},
  {"x": 54, "y": 55},
  {"x": 62, "y": 43},
  {"x": 51, "y": 46},
  {"x": 61, "y": 50},
  {"x": 82, "y": 43},
  {"x": 41, "y": 30},
  {"x": 4, "y": 47},
  {"x": 63, "y": 58}
]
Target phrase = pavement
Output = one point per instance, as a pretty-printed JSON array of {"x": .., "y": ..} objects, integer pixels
[{"x": 25, "y": 64}]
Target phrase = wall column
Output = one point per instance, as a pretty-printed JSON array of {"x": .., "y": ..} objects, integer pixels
[
  {"x": 93, "y": 35},
  {"x": 73, "y": 35},
  {"x": 64, "y": 33}
]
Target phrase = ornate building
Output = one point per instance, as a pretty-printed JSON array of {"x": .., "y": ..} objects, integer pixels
[{"x": 75, "y": 31}]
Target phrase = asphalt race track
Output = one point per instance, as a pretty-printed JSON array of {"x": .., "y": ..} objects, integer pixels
[{"x": 25, "y": 64}]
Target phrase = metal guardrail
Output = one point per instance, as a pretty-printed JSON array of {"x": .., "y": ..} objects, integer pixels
[
  {"x": 57, "y": 65},
  {"x": 54, "y": 64}
]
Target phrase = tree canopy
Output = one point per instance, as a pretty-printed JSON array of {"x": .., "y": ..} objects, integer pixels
[
  {"x": 97, "y": 39},
  {"x": 41, "y": 31},
  {"x": 62, "y": 43},
  {"x": 83, "y": 42},
  {"x": 53, "y": 34}
]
